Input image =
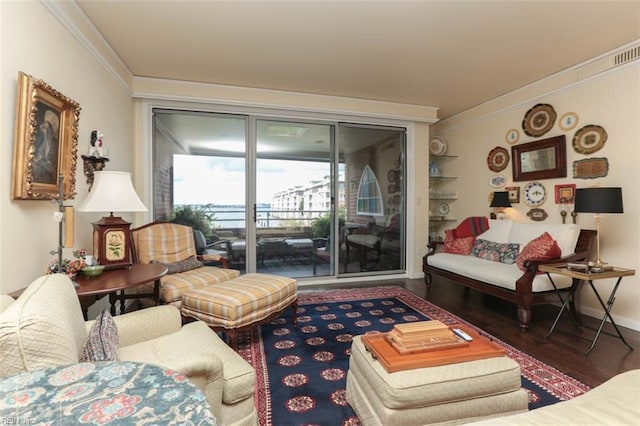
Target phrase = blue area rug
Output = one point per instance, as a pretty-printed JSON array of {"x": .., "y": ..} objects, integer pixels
[{"x": 301, "y": 373}]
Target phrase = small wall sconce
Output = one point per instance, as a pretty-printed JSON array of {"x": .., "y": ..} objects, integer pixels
[{"x": 93, "y": 164}]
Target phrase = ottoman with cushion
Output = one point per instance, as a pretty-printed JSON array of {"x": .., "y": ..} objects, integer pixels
[
  {"x": 241, "y": 303},
  {"x": 454, "y": 393}
]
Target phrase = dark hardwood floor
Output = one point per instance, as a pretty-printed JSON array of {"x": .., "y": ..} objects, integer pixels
[{"x": 565, "y": 348}]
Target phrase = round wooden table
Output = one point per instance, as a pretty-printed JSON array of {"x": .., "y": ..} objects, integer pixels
[{"x": 114, "y": 282}]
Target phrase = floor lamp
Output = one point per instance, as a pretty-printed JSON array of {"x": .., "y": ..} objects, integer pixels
[{"x": 598, "y": 200}]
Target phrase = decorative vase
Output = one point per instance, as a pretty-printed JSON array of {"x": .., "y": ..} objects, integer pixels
[{"x": 434, "y": 170}]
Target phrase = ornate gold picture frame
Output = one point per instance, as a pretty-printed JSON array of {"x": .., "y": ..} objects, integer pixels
[{"x": 46, "y": 141}]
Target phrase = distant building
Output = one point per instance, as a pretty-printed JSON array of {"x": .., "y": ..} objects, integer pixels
[{"x": 312, "y": 200}]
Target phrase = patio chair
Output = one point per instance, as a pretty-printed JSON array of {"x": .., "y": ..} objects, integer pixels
[{"x": 217, "y": 253}]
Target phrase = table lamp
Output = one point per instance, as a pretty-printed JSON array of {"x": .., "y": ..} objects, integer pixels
[
  {"x": 598, "y": 200},
  {"x": 500, "y": 201},
  {"x": 112, "y": 192}
]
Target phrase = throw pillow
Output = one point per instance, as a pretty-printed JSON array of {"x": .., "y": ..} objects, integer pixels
[
  {"x": 543, "y": 247},
  {"x": 496, "y": 252},
  {"x": 471, "y": 227},
  {"x": 187, "y": 264},
  {"x": 453, "y": 245},
  {"x": 103, "y": 341}
]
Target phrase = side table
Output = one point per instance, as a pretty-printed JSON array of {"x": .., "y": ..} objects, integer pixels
[
  {"x": 588, "y": 277},
  {"x": 114, "y": 282}
]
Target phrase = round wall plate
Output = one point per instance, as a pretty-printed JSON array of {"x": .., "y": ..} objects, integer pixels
[
  {"x": 534, "y": 194},
  {"x": 437, "y": 146},
  {"x": 589, "y": 139},
  {"x": 443, "y": 209},
  {"x": 539, "y": 120},
  {"x": 498, "y": 159}
]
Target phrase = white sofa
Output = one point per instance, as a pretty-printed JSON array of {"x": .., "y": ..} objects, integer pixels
[
  {"x": 44, "y": 327},
  {"x": 508, "y": 281}
]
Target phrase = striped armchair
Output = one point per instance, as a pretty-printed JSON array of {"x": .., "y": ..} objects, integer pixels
[{"x": 173, "y": 245}]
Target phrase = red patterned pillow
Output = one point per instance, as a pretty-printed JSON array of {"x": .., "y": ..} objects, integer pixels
[
  {"x": 454, "y": 245},
  {"x": 543, "y": 247}
]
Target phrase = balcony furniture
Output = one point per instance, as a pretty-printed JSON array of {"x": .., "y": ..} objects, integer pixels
[
  {"x": 218, "y": 253},
  {"x": 115, "y": 391},
  {"x": 44, "y": 328},
  {"x": 173, "y": 245},
  {"x": 450, "y": 394}
]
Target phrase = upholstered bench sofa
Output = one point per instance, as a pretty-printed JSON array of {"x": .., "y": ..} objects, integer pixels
[{"x": 503, "y": 260}]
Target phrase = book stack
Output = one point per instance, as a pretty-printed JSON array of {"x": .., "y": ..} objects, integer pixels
[{"x": 423, "y": 336}]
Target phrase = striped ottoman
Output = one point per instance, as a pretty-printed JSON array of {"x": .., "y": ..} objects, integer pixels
[
  {"x": 451, "y": 394},
  {"x": 241, "y": 303}
]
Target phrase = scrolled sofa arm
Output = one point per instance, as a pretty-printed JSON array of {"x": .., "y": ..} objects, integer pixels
[
  {"x": 146, "y": 324},
  {"x": 206, "y": 371}
]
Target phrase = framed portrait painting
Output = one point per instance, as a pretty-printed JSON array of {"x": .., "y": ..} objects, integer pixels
[{"x": 46, "y": 141}]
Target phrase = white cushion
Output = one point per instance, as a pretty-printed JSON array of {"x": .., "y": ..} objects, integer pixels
[
  {"x": 498, "y": 231},
  {"x": 496, "y": 273},
  {"x": 42, "y": 328},
  {"x": 566, "y": 235}
]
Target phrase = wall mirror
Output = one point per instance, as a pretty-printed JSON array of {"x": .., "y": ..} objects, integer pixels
[{"x": 544, "y": 159}]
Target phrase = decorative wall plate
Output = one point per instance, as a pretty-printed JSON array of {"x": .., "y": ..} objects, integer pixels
[
  {"x": 539, "y": 120},
  {"x": 537, "y": 214},
  {"x": 514, "y": 194},
  {"x": 437, "y": 146},
  {"x": 497, "y": 181},
  {"x": 498, "y": 159},
  {"x": 568, "y": 121},
  {"x": 590, "y": 168},
  {"x": 534, "y": 194},
  {"x": 512, "y": 136},
  {"x": 565, "y": 193},
  {"x": 589, "y": 139},
  {"x": 391, "y": 175},
  {"x": 443, "y": 209}
]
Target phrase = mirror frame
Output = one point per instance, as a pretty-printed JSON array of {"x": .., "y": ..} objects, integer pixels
[{"x": 560, "y": 170}]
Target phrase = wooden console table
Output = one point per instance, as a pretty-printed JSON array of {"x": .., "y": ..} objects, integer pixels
[{"x": 588, "y": 277}]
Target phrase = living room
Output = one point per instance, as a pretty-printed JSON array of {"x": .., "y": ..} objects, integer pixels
[{"x": 116, "y": 101}]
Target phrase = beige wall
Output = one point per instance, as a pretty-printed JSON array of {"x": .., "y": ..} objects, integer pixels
[
  {"x": 35, "y": 42},
  {"x": 610, "y": 100}
]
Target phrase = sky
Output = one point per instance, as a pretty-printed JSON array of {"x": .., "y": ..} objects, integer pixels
[{"x": 218, "y": 180}]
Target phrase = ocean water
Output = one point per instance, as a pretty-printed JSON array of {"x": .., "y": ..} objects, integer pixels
[{"x": 233, "y": 216}]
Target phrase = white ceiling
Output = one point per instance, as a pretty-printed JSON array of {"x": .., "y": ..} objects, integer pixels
[{"x": 448, "y": 54}]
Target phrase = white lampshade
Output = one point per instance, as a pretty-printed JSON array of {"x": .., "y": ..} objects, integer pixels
[{"x": 112, "y": 192}]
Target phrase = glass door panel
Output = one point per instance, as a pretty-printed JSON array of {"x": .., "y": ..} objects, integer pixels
[
  {"x": 199, "y": 177},
  {"x": 372, "y": 237},
  {"x": 294, "y": 198}
]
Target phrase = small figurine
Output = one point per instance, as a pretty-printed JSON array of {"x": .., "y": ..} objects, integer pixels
[{"x": 95, "y": 150}]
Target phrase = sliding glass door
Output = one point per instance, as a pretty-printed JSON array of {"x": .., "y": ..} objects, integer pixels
[
  {"x": 372, "y": 235},
  {"x": 289, "y": 197},
  {"x": 294, "y": 189}
]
